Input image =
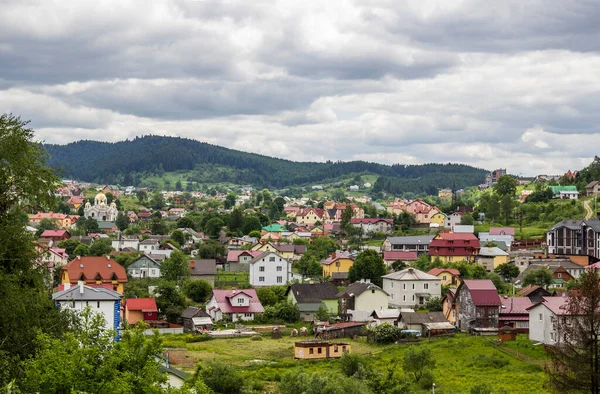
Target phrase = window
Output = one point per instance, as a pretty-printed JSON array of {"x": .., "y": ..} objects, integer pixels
[
  {"x": 560, "y": 275},
  {"x": 413, "y": 297},
  {"x": 541, "y": 317},
  {"x": 319, "y": 350},
  {"x": 72, "y": 304},
  {"x": 271, "y": 258},
  {"x": 343, "y": 348},
  {"x": 552, "y": 335},
  {"x": 392, "y": 296},
  {"x": 426, "y": 286},
  {"x": 453, "y": 313},
  {"x": 240, "y": 300},
  {"x": 413, "y": 286},
  {"x": 337, "y": 263},
  {"x": 335, "y": 348},
  {"x": 404, "y": 286},
  {"x": 443, "y": 277},
  {"x": 279, "y": 268},
  {"x": 247, "y": 314},
  {"x": 261, "y": 269},
  {"x": 261, "y": 278},
  {"x": 373, "y": 291},
  {"x": 403, "y": 298},
  {"x": 98, "y": 304},
  {"x": 280, "y": 279},
  {"x": 311, "y": 351}
]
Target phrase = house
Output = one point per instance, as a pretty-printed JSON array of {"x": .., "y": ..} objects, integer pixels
[
  {"x": 337, "y": 262},
  {"x": 514, "y": 313},
  {"x": 238, "y": 260},
  {"x": 237, "y": 243},
  {"x": 101, "y": 300},
  {"x": 449, "y": 305},
  {"x": 391, "y": 316},
  {"x": 310, "y": 296},
  {"x": 575, "y": 237},
  {"x": 535, "y": 293},
  {"x": 205, "y": 269},
  {"x": 497, "y": 235},
  {"x": 542, "y": 318},
  {"x": 411, "y": 287},
  {"x": 572, "y": 270},
  {"x": 448, "y": 276},
  {"x": 92, "y": 270},
  {"x": 453, "y": 219},
  {"x": 391, "y": 256},
  {"x": 491, "y": 257},
  {"x": 427, "y": 323},
  {"x": 54, "y": 258},
  {"x": 592, "y": 188},
  {"x": 564, "y": 192},
  {"x": 462, "y": 228},
  {"x": 478, "y": 305},
  {"x": 177, "y": 212},
  {"x": 196, "y": 319},
  {"x": 195, "y": 237},
  {"x": 274, "y": 228},
  {"x": 373, "y": 225},
  {"x": 132, "y": 216},
  {"x": 62, "y": 220},
  {"x": 360, "y": 299},
  {"x": 438, "y": 219},
  {"x": 352, "y": 329},
  {"x": 415, "y": 243},
  {"x": 149, "y": 245},
  {"x": 56, "y": 235},
  {"x": 287, "y": 251},
  {"x": 144, "y": 267},
  {"x": 125, "y": 242},
  {"x": 270, "y": 269},
  {"x": 140, "y": 309},
  {"x": 445, "y": 193},
  {"x": 234, "y": 305},
  {"x": 451, "y": 247},
  {"x": 333, "y": 211},
  {"x": 310, "y": 350},
  {"x": 310, "y": 216},
  {"x": 291, "y": 212}
]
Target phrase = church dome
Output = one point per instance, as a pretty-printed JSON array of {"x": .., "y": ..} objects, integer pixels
[{"x": 100, "y": 199}]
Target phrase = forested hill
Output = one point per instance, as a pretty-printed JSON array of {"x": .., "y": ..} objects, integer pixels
[{"x": 104, "y": 162}]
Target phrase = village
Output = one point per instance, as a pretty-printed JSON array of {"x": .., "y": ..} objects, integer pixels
[{"x": 322, "y": 273}]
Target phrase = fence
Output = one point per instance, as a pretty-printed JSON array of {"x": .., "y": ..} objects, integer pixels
[{"x": 174, "y": 330}]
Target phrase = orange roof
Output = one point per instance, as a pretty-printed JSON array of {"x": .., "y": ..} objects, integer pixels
[
  {"x": 92, "y": 266},
  {"x": 437, "y": 271},
  {"x": 141, "y": 304}
]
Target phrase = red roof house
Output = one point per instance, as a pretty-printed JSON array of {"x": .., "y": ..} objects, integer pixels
[
  {"x": 56, "y": 235},
  {"x": 451, "y": 247},
  {"x": 234, "y": 305},
  {"x": 514, "y": 313},
  {"x": 478, "y": 305},
  {"x": 449, "y": 276},
  {"x": 502, "y": 231},
  {"x": 389, "y": 256},
  {"x": 94, "y": 270},
  {"x": 140, "y": 309}
]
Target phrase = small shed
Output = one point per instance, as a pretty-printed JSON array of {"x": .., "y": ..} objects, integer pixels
[
  {"x": 195, "y": 319},
  {"x": 319, "y": 349},
  {"x": 507, "y": 333}
]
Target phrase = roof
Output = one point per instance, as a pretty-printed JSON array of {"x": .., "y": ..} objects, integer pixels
[
  {"x": 483, "y": 292},
  {"x": 335, "y": 257},
  {"x": 515, "y": 305},
  {"x": 386, "y": 314},
  {"x": 530, "y": 289},
  {"x": 234, "y": 255},
  {"x": 357, "y": 288},
  {"x": 92, "y": 266},
  {"x": 439, "y": 326},
  {"x": 312, "y": 292},
  {"x": 410, "y": 274},
  {"x": 411, "y": 239},
  {"x": 558, "y": 189},
  {"x": 192, "y": 311},
  {"x": 274, "y": 228},
  {"x": 141, "y": 304},
  {"x": 502, "y": 231},
  {"x": 556, "y": 304},
  {"x": 456, "y": 237},
  {"x": 423, "y": 317},
  {"x": 149, "y": 241},
  {"x": 89, "y": 294},
  {"x": 492, "y": 252},
  {"x": 54, "y": 233},
  {"x": 224, "y": 297},
  {"x": 437, "y": 271},
  {"x": 370, "y": 220},
  {"x": 403, "y": 255},
  {"x": 592, "y": 184},
  {"x": 339, "y": 275},
  {"x": 203, "y": 267}
]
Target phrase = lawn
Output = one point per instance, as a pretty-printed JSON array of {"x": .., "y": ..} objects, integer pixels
[
  {"x": 461, "y": 361},
  {"x": 232, "y": 278}
]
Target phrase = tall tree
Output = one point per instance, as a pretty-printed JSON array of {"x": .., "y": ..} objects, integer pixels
[
  {"x": 101, "y": 247},
  {"x": 230, "y": 201},
  {"x": 45, "y": 224},
  {"x": 506, "y": 186},
  {"x": 176, "y": 267},
  {"x": 347, "y": 214},
  {"x": 213, "y": 227},
  {"x": 236, "y": 220},
  {"x": 368, "y": 265},
  {"x": 576, "y": 356},
  {"x": 122, "y": 221},
  {"x": 540, "y": 276}
]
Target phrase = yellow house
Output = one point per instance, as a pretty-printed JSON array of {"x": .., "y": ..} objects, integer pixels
[
  {"x": 309, "y": 216},
  {"x": 492, "y": 257},
  {"x": 438, "y": 218},
  {"x": 445, "y": 193},
  {"x": 93, "y": 270},
  {"x": 62, "y": 220},
  {"x": 319, "y": 349},
  {"x": 448, "y": 276},
  {"x": 286, "y": 251},
  {"x": 336, "y": 263}
]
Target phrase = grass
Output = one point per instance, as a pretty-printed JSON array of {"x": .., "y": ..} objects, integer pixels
[
  {"x": 239, "y": 279},
  {"x": 461, "y": 361},
  {"x": 525, "y": 346}
]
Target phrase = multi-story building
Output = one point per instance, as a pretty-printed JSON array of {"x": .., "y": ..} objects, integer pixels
[
  {"x": 373, "y": 225},
  {"x": 270, "y": 269},
  {"x": 575, "y": 237},
  {"x": 478, "y": 305},
  {"x": 450, "y": 247},
  {"x": 411, "y": 287},
  {"x": 416, "y": 243}
]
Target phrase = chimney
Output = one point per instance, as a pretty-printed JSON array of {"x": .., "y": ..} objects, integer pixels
[
  {"x": 410, "y": 270},
  {"x": 333, "y": 255},
  {"x": 78, "y": 257},
  {"x": 80, "y": 284},
  {"x": 107, "y": 257},
  {"x": 192, "y": 264},
  {"x": 66, "y": 286},
  {"x": 367, "y": 280}
]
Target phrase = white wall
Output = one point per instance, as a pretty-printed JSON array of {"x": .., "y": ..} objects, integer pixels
[
  {"x": 541, "y": 330},
  {"x": 272, "y": 269},
  {"x": 125, "y": 243},
  {"x": 144, "y": 272},
  {"x": 403, "y": 294},
  {"x": 106, "y": 309}
]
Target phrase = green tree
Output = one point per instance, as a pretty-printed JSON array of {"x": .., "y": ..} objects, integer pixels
[
  {"x": 398, "y": 265},
  {"x": 157, "y": 201},
  {"x": 338, "y": 195},
  {"x": 236, "y": 220},
  {"x": 280, "y": 203},
  {"x": 434, "y": 304},
  {"x": 274, "y": 211},
  {"x": 386, "y": 333},
  {"x": 176, "y": 267},
  {"x": 82, "y": 250},
  {"x": 467, "y": 219},
  {"x": 88, "y": 225},
  {"x": 68, "y": 245},
  {"x": 62, "y": 207},
  {"x": 507, "y": 271},
  {"x": 347, "y": 214},
  {"x": 230, "y": 201},
  {"x": 211, "y": 250},
  {"x": 179, "y": 237},
  {"x": 368, "y": 265},
  {"x": 178, "y": 185},
  {"x": 417, "y": 362},
  {"x": 197, "y": 290},
  {"x": 309, "y": 265},
  {"x": 158, "y": 226},
  {"x": 141, "y": 195},
  {"x": 251, "y": 223},
  {"x": 506, "y": 186},
  {"x": 170, "y": 301},
  {"x": 322, "y": 313},
  {"x": 213, "y": 227},
  {"x": 539, "y": 276},
  {"x": 45, "y": 224},
  {"x": 101, "y": 247},
  {"x": 221, "y": 378},
  {"x": 254, "y": 234},
  {"x": 266, "y": 296},
  {"x": 122, "y": 221}
]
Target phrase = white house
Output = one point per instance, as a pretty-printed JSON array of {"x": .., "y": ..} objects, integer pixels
[
  {"x": 411, "y": 287},
  {"x": 100, "y": 300},
  {"x": 144, "y": 267},
  {"x": 360, "y": 299},
  {"x": 269, "y": 269},
  {"x": 124, "y": 242},
  {"x": 234, "y": 305},
  {"x": 542, "y": 319},
  {"x": 149, "y": 245},
  {"x": 452, "y": 220}
]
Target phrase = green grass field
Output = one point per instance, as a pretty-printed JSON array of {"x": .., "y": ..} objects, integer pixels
[{"x": 461, "y": 361}]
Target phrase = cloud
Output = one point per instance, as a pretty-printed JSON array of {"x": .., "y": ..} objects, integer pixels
[{"x": 505, "y": 84}]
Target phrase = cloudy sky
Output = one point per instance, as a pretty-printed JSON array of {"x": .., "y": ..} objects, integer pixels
[{"x": 512, "y": 83}]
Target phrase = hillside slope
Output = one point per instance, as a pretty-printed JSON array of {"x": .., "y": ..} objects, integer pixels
[{"x": 105, "y": 162}]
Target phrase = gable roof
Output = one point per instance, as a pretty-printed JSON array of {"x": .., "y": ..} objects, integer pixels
[
  {"x": 502, "y": 231},
  {"x": 203, "y": 267},
  {"x": 312, "y": 292},
  {"x": 134, "y": 264},
  {"x": 90, "y": 293},
  {"x": 386, "y": 314},
  {"x": 515, "y": 305},
  {"x": 423, "y": 317},
  {"x": 411, "y": 239},
  {"x": 149, "y": 241},
  {"x": 335, "y": 257},
  {"x": 92, "y": 266},
  {"x": 492, "y": 252},
  {"x": 437, "y": 271},
  {"x": 556, "y": 304},
  {"x": 526, "y": 291},
  {"x": 410, "y": 274},
  {"x": 223, "y": 300},
  {"x": 403, "y": 255},
  {"x": 370, "y": 220},
  {"x": 141, "y": 304},
  {"x": 54, "y": 233},
  {"x": 483, "y": 292},
  {"x": 233, "y": 256},
  {"x": 357, "y": 288},
  {"x": 192, "y": 311}
]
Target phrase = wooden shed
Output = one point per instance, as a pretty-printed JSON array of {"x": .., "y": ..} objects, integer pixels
[
  {"x": 311, "y": 350},
  {"x": 507, "y": 333}
]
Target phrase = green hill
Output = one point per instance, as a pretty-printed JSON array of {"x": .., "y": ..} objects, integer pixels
[{"x": 128, "y": 162}]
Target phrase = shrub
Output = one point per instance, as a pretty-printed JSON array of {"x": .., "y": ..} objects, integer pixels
[
  {"x": 256, "y": 338},
  {"x": 197, "y": 338},
  {"x": 426, "y": 381},
  {"x": 481, "y": 388},
  {"x": 385, "y": 333},
  {"x": 221, "y": 378},
  {"x": 351, "y": 363},
  {"x": 295, "y": 382},
  {"x": 493, "y": 361},
  {"x": 417, "y": 362}
]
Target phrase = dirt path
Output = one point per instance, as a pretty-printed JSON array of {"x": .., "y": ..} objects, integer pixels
[{"x": 589, "y": 213}]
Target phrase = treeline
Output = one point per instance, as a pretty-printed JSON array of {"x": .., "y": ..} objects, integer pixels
[
  {"x": 105, "y": 162},
  {"x": 454, "y": 176}
]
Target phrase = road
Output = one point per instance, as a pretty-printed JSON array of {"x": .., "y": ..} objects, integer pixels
[{"x": 589, "y": 212}]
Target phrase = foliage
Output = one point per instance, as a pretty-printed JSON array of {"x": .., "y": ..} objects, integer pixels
[
  {"x": 322, "y": 313},
  {"x": 434, "y": 304},
  {"x": 282, "y": 311},
  {"x": 88, "y": 225},
  {"x": 398, "y": 265},
  {"x": 122, "y": 221},
  {"x": 251, "y": 224},
  {"x": 368, "y": 265},
  {"x": 175, "y": 267},
  {"x": 68, "y": 245},
  {"x": 236, "y": 220},
  {"x": 351, "y": 363},
  {"x": 211, "y": 249},
  {"x": 179, "y": 236},
  {"x": 506, "y": 186},
  {"x": 101, "y": 247},
  {"x": 271, "y": 295},
  {"x": 308, "y": 265},
  {"x": 540, "y": 277},
  {"x": 385, "y": 333},
  {"x": 213, "y": 227},
  {"x": 417, "y": 362},
  {"x": 45, "y": 224},
  {"x": 138, "y": 288},
  {"x": 197, "y": 290},
  {"x": 481, "y": 388},
  {"x": 507, "y": 271},
  {"x": 82, "y": 250},
  {"x": 170, "y": 301},
  {"x": 467, "y": 219},
  {"x": 221, "y": 378},
  {"x": 157, "y": 201},
  {"x": 298, "y": 381}
]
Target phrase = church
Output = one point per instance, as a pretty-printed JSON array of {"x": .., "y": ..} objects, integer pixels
[{"x": 101, "y": 211}]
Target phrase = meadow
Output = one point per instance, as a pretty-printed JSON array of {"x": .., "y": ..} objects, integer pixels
[{"x": 461, "y": 361}]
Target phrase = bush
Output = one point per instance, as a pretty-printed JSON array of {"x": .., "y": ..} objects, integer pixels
[
  {"x": 256, "y": 338},
  {"x": 283, "y": 311},
  {"x": 295, "y": 382},
  {"x": 386, "y": 333},
  {"x": 418, "y": 362},
  {"x": 481, "y": 388},
  {"x": 351, "y": 363},
  {"x": 426, "y": 381},
  {"x": 197, "y": 338},
  {"x": 221, "y": 378},
  {"x": 493, "y": 361}
]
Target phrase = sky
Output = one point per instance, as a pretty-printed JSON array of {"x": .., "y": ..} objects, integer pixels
[{"x": 496, "y": 84}]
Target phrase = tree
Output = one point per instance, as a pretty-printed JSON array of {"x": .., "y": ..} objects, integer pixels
[
  {"x": 122, "y": 221},
  {"x": 45, "y": 224},
  {"x": 236, "y": 220},
  {"x": 386, "y": 333},
  {"x": 368, "y": 265},
  {"x": 506, "y": 186},
  {"x": 81, "y": 250},
  {"x": 62, "y": 207},
  {"x": 101, "y": 247},
  {"x": 417, "y": 362},
  {"x": 175, "y": 267},
  {"x": 280, "y": 203},
  {"x": 68, "y": 245},
  {"x": 575, "y": 359},
  {"x": 309, "y": 265},
  {"x": 230, "y": 201},
  {"x": 179, "y": 237},
  {"x": 266, "y": 296},
  {"x": 221, "y": 378},
  {"x": 213, "y": 227},
  {"x": 322, "y": 313},
  {"x": 467, "y": 219},
  {"x": 211, "y": 250},
  {"x": 337, "y": 195},
  {"x": 251, "y": 223},
  {"x": 198, "y": 290},
  {"x": 398, "y": 265},
  {"x": 141, "y": 195},
  {"x": 158, "y": 226},
  {"x": 347, "y": 214},
  {"x": 274, "y": 211},
  {"x": 540, "y": 277},
  {"x": 178, "y": 185},
  {"x": 434, "y": 304},
  {"x": 254, "y": 234},
  {"x": 157, "y": 201},
  {"x": 507, "y": 271},
  {"x": 88, "y": 225},
  {"x": 170, "y": 301}
]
